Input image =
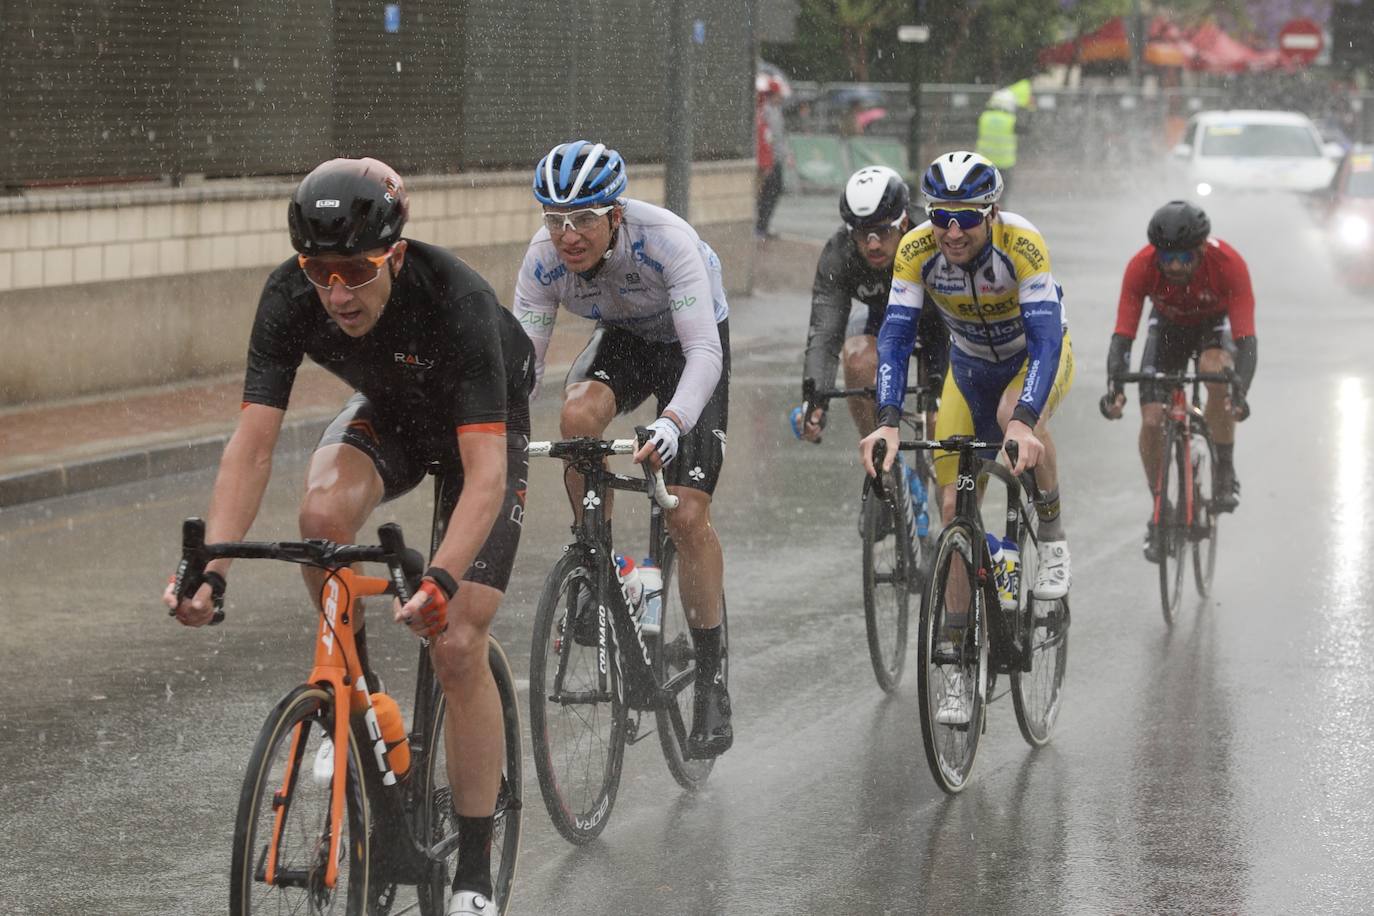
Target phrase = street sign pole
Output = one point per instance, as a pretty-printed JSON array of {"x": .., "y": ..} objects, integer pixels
[{"x": 914, "y": 36}]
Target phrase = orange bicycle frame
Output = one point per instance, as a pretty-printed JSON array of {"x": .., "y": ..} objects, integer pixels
[{"x": 336, "y": 666}]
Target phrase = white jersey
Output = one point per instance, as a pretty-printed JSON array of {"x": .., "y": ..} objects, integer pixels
[{"x": 660, "y": 282}]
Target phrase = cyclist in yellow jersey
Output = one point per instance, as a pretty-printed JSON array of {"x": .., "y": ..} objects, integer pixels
[{"x": 1010, "y": 361}]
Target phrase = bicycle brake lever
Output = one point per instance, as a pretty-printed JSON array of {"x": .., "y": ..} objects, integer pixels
[{"x": 876, "y": 481}]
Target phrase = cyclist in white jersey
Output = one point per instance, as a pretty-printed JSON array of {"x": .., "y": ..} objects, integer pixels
[{"x": 654, "y": 289}]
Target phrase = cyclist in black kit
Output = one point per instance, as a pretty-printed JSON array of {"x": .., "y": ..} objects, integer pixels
[
  {"x": 443, "y": 375},
  {"x": 856, "y": 263}
]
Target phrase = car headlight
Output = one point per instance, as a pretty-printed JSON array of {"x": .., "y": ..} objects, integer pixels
[
  {"x": 1353, "y": 231},
  {"x": 1203, "y": 189}
]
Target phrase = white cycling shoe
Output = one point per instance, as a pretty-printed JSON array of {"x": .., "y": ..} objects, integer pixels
[
  {"x": 953, "y": 705},
  {"x": 471, "y": 903},
  {"x": 1052, "y": 575}
]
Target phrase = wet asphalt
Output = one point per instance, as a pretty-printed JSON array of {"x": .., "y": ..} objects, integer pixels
[{"x": 1221, "y": 766}]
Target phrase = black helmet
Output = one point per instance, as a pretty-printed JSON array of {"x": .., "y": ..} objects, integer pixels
[
  {"x": 1178, "y": 226},
  {"x": 873, "y": 196},
  {"x": 347, "y": 206}
]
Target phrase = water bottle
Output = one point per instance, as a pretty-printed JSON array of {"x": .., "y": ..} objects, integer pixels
[
  {"x": 1011, "y": 562},
  {"x": 393, "y": 732},
  {"x": 1003, "y": 570},
  {"x": 652, "y": 577},
  {"x": 634, "y": 584},
  {"x": 798, "y": 420},
  {"x": 918, "y": 503}
]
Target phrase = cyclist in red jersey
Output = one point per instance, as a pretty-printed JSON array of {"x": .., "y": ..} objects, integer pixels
[{"x": 1203, "y": 304}]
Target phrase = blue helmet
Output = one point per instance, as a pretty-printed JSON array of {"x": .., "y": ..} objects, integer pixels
[
  {"x": 579, "y": 174},
  {"x": 962, "y": 177}
]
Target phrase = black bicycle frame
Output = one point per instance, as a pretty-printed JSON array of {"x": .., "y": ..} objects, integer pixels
[{"x": 619, "y": 634}]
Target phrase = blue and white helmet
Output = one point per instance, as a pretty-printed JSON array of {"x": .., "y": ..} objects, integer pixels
[
  {"x": 962, "y": 177},
  {"x": 579, "y": 173}
]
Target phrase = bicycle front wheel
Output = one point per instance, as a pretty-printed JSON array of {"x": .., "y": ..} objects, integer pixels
[
  {"x": 290, "y": 776},
  {"x": 578, "y": 717},
  {"x": 1205, "y": 517},
  {"x": 675, "y": 665},
  {"x": 1044, "y": 634},
  {"x": 889, "y": 570},
  {"x": 438, "y": 819},
  {"x": 1172, "y": 527},
  {"x": 953, "y": 656}
]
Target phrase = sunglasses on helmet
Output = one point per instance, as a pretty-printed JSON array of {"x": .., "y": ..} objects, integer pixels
[
  {"x": 966, "y": 217},
  {"x": 862, "y": 235},
  {"x": 576, "y": 220},
  {"x": 1175, "y": 258},
  {"x": 352, "y": 272}
]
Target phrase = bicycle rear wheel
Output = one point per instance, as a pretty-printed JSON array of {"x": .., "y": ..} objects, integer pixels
[
  {"x": 1044, "y": 633},
  {"x": 438, "y": 820},
  {"x": 1172, "y": 528},
  {"x": 674, "y": 658},
  {"x": 291, "y": 770},
  {"x": 578, "y": 717},
  {"x": 953, "y": 656},
  {"x": 1205, "y": 518},
  {"x": 889, "y": 570}
]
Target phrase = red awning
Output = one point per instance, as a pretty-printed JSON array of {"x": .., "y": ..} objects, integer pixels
[
  {"x": 1218, "y": 52},
  {"x": 1208, "y": 49}
]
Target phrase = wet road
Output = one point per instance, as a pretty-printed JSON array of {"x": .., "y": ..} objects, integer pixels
[{"x": 1222, "y": 767}]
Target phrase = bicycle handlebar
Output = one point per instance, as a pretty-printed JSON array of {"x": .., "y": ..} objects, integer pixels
[
  {"x": 587, "y": 448},
  {"x": 405, "y": 565},
  {"x": 1178, "y": 380}
]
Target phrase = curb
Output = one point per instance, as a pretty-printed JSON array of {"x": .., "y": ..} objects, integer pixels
[{"x": 135, "y": 465}]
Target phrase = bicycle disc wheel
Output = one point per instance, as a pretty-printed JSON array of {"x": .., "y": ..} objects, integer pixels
[
  {"x": 675, "y": 665},
  {"x": 578, "y": 717},
  {"x": 1044, "y": 634},
  {"x": 291, "y": 769},
  {"x": 438, "y": 818},
  {"x": 889, "y": 568},
  {"x": 953, "y": 657},
  {"x": 1173, "y": 526},
  {"x": 1205, "y": 518}
]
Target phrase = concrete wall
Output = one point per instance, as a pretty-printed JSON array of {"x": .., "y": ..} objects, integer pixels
[{"x": 105, "y": 290}]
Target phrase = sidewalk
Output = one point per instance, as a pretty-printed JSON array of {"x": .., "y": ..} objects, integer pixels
[{"x": 68, "y": 447}]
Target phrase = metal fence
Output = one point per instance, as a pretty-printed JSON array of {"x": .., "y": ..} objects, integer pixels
[
  {"x": 1110, "y": 126},
  {"x": 100, "y": 90}
]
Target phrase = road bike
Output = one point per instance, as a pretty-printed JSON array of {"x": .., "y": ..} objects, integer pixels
[
  {"x": 325, "y": 824},
  {"x": 594, "y": 670},
  {"x": 895, "y": 553},
  {"x": 967, "y": 636},
  {"x": 1185, "y": 516}
]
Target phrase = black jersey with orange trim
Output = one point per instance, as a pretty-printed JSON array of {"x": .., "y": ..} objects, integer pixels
[{"x": 444, "y": 353}]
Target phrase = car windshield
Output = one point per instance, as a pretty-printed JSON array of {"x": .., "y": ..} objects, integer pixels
[{"x": 1255, "y": 140}]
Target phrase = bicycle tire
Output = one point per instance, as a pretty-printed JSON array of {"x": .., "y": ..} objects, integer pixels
[
  {"x": 307, "y": 711},
  {"x": 674, "y": 657},
  {"x": 951, "y": 748},
  {"x": 436, "y": 812},
  {"x": 1044, "y": 632},
  {"x": 1172, "y": 528},
  {"x": 1205, "y": 518},
  {"x": 579, "y": 794},
  {"x": 889, "y": 569}
]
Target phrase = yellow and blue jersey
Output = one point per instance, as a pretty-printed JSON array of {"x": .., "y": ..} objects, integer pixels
[{"x": 1002, "y": 308}]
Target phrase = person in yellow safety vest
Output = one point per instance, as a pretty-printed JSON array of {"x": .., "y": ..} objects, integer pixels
[{"x": 997, "y": 134}]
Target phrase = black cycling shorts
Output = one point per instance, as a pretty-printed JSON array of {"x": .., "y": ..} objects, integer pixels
[
  {"x": 1169, "y": 347},
  {"x": 635, "y": 368},
  {"x": 403, "y": 460}
]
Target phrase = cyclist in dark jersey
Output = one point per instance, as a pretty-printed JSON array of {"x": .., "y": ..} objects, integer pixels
[
  {"x": 856, "y": 263},
  {"x": 443, "y": 375},
  {"x": 1204, "y": 305}
]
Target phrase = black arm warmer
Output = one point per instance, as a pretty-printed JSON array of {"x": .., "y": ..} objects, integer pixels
[
  {"x": 1247, "y": 358},
  {"x": 1118, "y": 359}
]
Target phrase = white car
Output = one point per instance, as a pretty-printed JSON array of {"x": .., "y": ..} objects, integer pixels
[{"x": 1253, "y": 151}]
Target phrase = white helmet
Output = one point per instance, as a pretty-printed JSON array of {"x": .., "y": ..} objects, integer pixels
[
  {"x": 962, "y": 177},
  {"x": 874, "y": 196},
  {"x": 1002, "y": 99}
]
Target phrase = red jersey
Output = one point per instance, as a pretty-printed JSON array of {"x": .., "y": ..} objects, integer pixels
[{"x": 1219, "y": 286}]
